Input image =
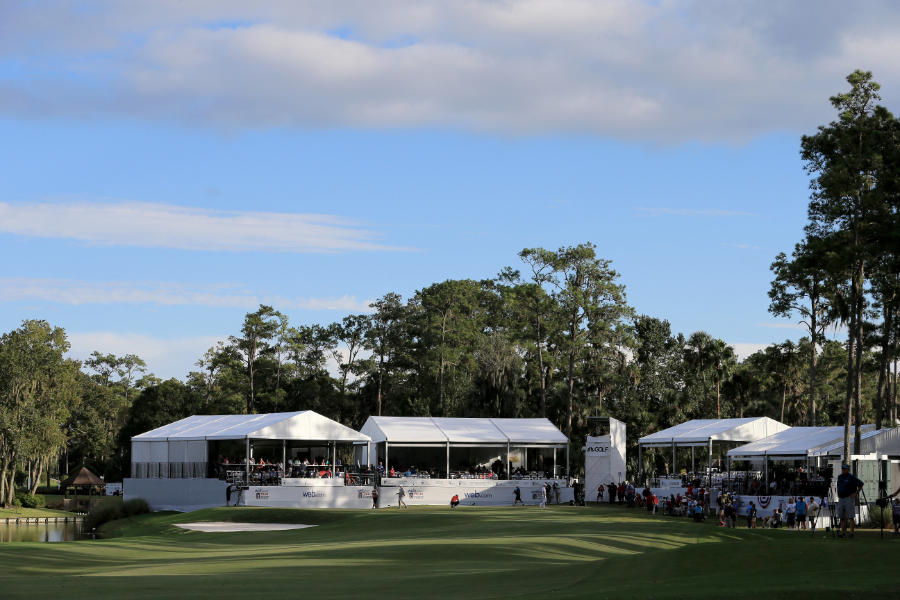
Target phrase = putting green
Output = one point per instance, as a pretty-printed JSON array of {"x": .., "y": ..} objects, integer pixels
[{"x": 429, "y": 552}]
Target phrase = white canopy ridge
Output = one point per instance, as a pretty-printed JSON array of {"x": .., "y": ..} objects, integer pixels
[
  {"x": 456, "y": 430},
  {"x": 305, "y": 425},
  {"x": 699, "y": 432}
]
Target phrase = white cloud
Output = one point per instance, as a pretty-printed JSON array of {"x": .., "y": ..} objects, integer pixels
[
  {"x": 662, "y": 71},
  {"x": 745, "y": 349},
  {"x": 168, "y": 226},
  {"x": 66, "y": 291},
  {"x": 165, "y": 357}
]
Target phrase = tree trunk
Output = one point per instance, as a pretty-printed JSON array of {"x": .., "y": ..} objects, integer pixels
[
  {"x": 883, "y": 394},
  {"x": 860, "y": 349},
  {"x": 380, "y": 383},
  {"x": 848, "y": 398},
  {"x": 441, "y": 367},
  {"x": 570, "y": 406},
  {"x": 39, "y": 472},
  {"x": 541, "y": 370},
  {"x": 813, "y": 363},
  {"x": 251, "y": 359},
  {"x": 718, "y": 399}
]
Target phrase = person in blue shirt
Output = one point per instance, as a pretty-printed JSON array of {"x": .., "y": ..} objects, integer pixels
[
  {"x": 751, "y": 515},
  {"x": 800, "y": 507},
  {"x": 848, "y": 487}
]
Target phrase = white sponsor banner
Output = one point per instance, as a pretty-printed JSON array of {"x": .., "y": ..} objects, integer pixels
[
  {"x": 471, "y": 492},
  {"x": 315, "y": 496}
]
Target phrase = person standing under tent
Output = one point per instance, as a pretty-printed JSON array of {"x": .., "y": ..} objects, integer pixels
[
  {"x": 848, "y": 487},
  {"x": 518, "y": 499},
  {"x": 401, "y": 494},
  {"x": 600, "y": 493},
  {"x": 751, "y": 515},
  {"x": 556, "y": 491},
  {"x": 374, "y": 497},
  {"x": 812, "y": 513},
  {"x": 791, "y": 512},
  {"x": 612, "y": 492},
  {"x": 543, "y": 497},
  {"x": 801, "y": 507}
]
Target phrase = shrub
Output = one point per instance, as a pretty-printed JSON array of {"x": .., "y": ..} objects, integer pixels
[
  {"x": 101, "y": 514},
  {"x": 135, "y": 506},
  {"x": 29, "y": 500}
]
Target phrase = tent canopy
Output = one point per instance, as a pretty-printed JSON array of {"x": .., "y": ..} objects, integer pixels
[
  {"x": 878, "y": 441},
  {"x": 443, "y": 430},
  {"x": 303, "y": 425},
  {"x": 793, "y": 442},
  {"x": 699, "y": 432}
]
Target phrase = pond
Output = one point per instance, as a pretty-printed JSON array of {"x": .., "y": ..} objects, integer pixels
[{"x": 39, "y": 532}]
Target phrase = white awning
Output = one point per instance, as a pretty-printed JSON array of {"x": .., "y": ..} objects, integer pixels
[
  {"x": 699, "y": 432},
  {"x": 424, "y": 430},
  {"x": 876, "y": 441},
  {"x": 796, "y": 441},
  {"x": 303, "y": 425}
]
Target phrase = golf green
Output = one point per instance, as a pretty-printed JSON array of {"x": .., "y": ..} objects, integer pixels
[{"x": 438, "y": 552}]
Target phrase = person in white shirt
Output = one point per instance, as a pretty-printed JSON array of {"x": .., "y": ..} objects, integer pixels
[{"x": 812, "y": 512}]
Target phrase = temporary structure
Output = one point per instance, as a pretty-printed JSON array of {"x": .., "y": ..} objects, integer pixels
[
  {"x": 181, "y": 449},
  {"x": 704, "y": 432},
  {"x": 451, "y": 432}
]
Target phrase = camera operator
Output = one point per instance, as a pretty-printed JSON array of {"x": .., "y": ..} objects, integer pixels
[{"x": 848, "y": 487}]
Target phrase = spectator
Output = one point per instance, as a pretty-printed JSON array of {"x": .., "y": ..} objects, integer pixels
[{"x": 848, "y": 487}]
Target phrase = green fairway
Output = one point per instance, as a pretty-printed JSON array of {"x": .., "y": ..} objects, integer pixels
[{"x": 469, "y": 552}]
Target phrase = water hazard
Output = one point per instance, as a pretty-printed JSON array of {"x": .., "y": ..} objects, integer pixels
[{"x": 39, "y": 532}]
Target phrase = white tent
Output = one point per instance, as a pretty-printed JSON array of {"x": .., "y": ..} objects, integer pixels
[
  {"x": 703, "y": 432},
  {"x": 443, "y": 430},
  {"x": 180, "y": 449},
  {"x": 796, "y": 442},
  {"x": 471, "y": 432},
  {"x": 874, "y": 441}
]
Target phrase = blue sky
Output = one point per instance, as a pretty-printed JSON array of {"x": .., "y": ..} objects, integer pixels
[{"x": 168, "y": 167}]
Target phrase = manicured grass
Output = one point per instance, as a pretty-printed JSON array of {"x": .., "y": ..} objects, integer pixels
[
  {"x": 32, "y": 512},
  {"x": 436, "y": 552}
]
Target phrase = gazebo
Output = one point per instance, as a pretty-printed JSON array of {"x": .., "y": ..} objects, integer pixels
[
  {"x": 704, "y": 432},
  {"x": 84, "y": 478}
]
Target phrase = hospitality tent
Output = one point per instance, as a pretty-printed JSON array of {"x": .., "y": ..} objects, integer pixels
[
  {"x": 704, "y": 432},
  {"x": 181, "y": 449},
  {"x": 875, "y": 441},
  {"x": 448, "y": 432},
  {"x": 794, "y": 443}
]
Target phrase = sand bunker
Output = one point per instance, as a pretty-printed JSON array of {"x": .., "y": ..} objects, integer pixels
[{"x": 226, "y": 527}]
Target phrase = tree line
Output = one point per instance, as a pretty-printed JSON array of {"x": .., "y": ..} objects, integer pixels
[{"x": 551, "y": 335}]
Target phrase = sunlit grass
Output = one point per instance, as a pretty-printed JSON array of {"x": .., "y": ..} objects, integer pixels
[{"x": 438, "y": 552}]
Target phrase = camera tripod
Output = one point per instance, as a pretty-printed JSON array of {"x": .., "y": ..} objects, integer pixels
[{"x": 829, "y": 503}]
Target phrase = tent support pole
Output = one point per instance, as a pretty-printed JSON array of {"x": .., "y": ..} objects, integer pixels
[
  {"x": 283, "y": 458},
  {"x": 448, "y": 460},
  {"x": 673, "y": 457},
  {"x": 709, "y": 463},
  {"x": 766, "y": 463},
  {"x": 640, "y": 464},
  {"x": 508, "y": 474},
  {"x": 247, "y": 463},
  {"x": 693, "y": 461},
  {"x": 334, "y": 459},
  {"x": 554, "y": 463},
  {"x": 567, "y": 460},
  {"x": 387, "y": 469}
]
